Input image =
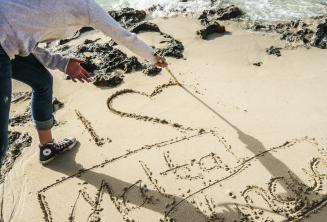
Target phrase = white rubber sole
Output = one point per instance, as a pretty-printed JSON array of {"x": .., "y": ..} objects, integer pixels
[{"x": 69, "y": 148}]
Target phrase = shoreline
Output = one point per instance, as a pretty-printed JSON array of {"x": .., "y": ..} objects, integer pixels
[{"x": 302, "y": 9}]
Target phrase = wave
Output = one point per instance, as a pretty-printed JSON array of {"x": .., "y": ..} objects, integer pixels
[{"x": 260, "y": 10}]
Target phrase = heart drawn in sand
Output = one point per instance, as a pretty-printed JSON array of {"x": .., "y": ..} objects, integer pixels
[{"x": 155, "y": 120}]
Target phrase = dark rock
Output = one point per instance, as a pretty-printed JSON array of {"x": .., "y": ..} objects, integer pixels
[
  {"x": 12, "y": 137},
  {"x": 130, "y": 64},
  {"x": 152, "y": 70},
  {"x": 109, "y": 58},
  {"x": 144, "y": 27},
  {"x": 295, "y": 31},
  {"x": 20, "y": 96},
  {"x": 128, "y": 17},
  {"x": 224, "y": 13},
  {"x": 298, "y": 33},
  {"x": 112, "y": 43},
  {"x": 62, "y": 48},
  {"x": 228, "y": 13},
  {"x": 76, "y": 35},
  {"x": 64, "y": 41},
  {"x": 16, "y": 143},
  {"x": 211, "y": 28},
  {"x": 257, "y": 26},
  {"x": 21, "y": 119},
  {"x": 155, "y": 8},
  {"x": 274, "y": 51},
  {"x": 17, "y": 140},
  {"x": 107, "y": 80},
  {"x": 174, "y": 48},
  {"x": 257, "y": 64},
  {"x": 89, "y": 66},
  {"x": 85, "y": 29},
  {"x": 103, "y": 59},
  {"x": 320, "y": 40},
  {"x": 56, "y": 105},
  {"x": 89, "y": 41}
]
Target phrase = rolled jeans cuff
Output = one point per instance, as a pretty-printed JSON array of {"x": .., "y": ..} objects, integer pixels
[{"x": 44, "y": 125}]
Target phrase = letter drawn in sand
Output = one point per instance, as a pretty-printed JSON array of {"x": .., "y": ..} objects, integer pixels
[
  {"x": 198, "y": 174},
  {"x": 87, "y": 124},
  {"x": 218, "y": 193}
]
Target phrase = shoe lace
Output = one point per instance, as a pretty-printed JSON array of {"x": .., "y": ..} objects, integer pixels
[{"x": 60, "y": 145}]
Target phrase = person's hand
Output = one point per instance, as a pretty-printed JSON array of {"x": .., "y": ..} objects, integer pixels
[
  {"x": 161, "y": 62},
  {"x": 76, "y": 71}
]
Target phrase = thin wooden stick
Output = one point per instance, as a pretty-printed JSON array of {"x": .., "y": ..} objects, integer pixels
[
  {"x": 191, "y": 93},
  {"x": 173, "y": 76}
]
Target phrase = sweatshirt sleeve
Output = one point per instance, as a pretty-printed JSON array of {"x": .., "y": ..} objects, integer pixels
[
  {"x": 102, "y": 21},
  {"x": 51, "y": 61}
]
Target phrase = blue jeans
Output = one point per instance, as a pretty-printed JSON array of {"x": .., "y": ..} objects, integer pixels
[{"x": 30, "y": 71}]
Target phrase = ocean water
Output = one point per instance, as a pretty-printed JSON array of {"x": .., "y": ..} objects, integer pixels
[{"x": 264, "y": 10}]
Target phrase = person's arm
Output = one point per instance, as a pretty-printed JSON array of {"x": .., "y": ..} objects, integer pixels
[
  {"x": 51, "y": 61},
  {"x": 70, "y": 66},
  {"x": 102, "y": 21}
]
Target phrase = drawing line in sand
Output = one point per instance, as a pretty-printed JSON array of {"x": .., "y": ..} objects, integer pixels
[
  {"x": 293, "y": 209},
  {"x": 293, "y": 212},
  {"x": 240, "y": 132},
  {"x": 121, "y": 204},
  {"x": 154, "y": 120},
  {"x": 301, "y": 192},
  {"x": 193, "y": 95},
  {"x": 88, "y": 126},
  {"x": 41, "y": 194}
]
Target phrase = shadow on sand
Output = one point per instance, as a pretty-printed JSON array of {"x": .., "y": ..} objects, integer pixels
[{"x": 186, "y": 212}]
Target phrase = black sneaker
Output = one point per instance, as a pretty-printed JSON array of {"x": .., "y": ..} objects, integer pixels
[{"x": 50, "y": 150}]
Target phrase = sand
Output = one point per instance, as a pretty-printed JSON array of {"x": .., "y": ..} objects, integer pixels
[{"x": 254, "y": 152}]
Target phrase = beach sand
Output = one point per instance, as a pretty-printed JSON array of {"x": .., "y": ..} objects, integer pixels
[{"x": 254, "y": 152}]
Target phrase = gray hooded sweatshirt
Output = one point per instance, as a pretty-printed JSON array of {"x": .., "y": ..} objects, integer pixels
[{"x": 25, "y": 23}]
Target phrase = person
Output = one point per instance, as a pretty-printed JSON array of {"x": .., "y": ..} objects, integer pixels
[{"x": 26, "y": 23}]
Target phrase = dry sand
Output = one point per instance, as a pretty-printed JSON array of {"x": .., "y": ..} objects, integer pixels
[{"x": 260, "y": 156}]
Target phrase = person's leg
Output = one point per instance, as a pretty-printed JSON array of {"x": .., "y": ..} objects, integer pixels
[
  {"x": 5, "y": 100},
  {"x": 30, "y": 71}
]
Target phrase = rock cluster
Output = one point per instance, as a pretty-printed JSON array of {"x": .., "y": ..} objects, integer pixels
[
  {"x": 211, "y": 28},
  {"x": 320, "y": 39},
  {"x": 173, "y": 47},
  {"x": 56, "y": 105},
  {"x": 76, "y": 35},
  {"x": 107, "y": 58},
  {"x": 105, "y": 80},
  {"x": 128, "y": 17},
  {"x": 151, "y": 70},
  {"x": 17, "y": 141},
  {"x": 209, "y": 19},
  {"x": 144, "y": 27},
  {"x": 220, "y": 13},
  {"x": 133, "y": 20},
  {"x": 21, "y": 119},
  {"x": 298, "y": 33},
  {"x": 274, "y": 51},
  {"x": 103, "y": 59}
]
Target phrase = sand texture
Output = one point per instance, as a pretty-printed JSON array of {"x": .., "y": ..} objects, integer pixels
[{"x": 243, "y": 138}]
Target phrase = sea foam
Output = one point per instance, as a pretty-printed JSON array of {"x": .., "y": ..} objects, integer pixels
[{"x": 265, "y": 10}]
